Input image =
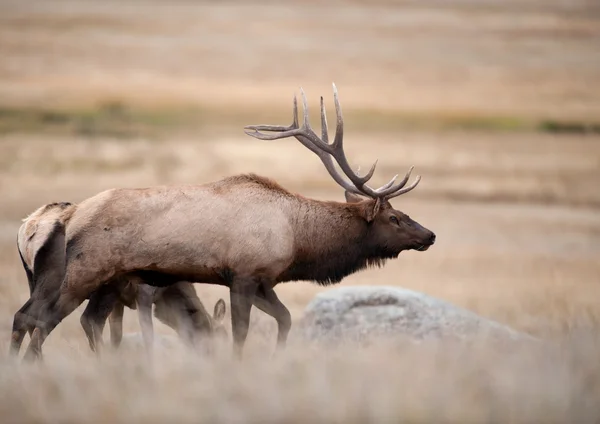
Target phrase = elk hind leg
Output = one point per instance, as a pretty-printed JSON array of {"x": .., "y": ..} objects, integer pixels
[
  {"x": 20, "y": 328},
  {"x": 267, "y": 301},
  {"x": 44, "y": 285},
  {"x": 242, "y": 293},
  {"x": 53, "y": 312}
]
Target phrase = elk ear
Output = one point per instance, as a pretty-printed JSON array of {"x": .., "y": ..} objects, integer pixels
[
  {"x": 352, "y": 198},
  {"x": 219, "y": 312},
  {"x": 372, "y": 209}
]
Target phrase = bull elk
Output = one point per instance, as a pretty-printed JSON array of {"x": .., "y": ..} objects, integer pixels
[
  {"x": 177, "y": 306},
  {"x": 245, "y": 232}
]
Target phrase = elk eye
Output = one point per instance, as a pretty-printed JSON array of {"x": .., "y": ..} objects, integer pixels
[{"x": 394, "y": 220}]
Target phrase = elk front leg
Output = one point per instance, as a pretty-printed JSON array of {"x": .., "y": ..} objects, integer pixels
[
  {"x": 145, "y": 299},
  {"x": 267, "y": 301},
  {"x": 115, "y": 321},
  {"x": 96, "y": 313},
  {"x": 242, "y": 293}
]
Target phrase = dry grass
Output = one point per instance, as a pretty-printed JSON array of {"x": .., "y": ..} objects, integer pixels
[
  {"x": 516, "y": 212},
  {"x": 432, "y": 383}
]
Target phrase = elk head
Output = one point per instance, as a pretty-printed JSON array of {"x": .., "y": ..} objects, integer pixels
[{"x": 389, "y": 230}]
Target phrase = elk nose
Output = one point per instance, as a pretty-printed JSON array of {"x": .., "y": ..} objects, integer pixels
[{"x": 432, "y": 238}]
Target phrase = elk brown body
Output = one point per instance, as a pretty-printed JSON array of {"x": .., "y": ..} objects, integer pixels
[{"x": 245, "y": 232}]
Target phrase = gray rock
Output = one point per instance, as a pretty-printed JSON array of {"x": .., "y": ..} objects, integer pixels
[{"x": 365, "y": 313}]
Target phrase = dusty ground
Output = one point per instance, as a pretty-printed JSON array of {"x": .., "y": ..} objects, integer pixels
[{"x": 516, "y": 210}]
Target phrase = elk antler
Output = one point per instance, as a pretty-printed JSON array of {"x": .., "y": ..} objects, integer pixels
[{"x": 326, "y": 151}]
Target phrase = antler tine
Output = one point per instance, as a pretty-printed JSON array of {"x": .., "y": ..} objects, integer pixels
[
  {"x": 388, "y": 184},
  {"x": 295, "y": 113},
  {"x": 388, "y": 189},
  {"x": 404, "y": 190},
  {"x": 324, "y": 131},
  {"x": 338, "y": 148},
  {"x": 283, "y": 131},
  {"x": 339, "y": 127},
  {"x": 278, "y": 128},
  {"x": 307, "y": 129},
  {"x": 369, "y": 174},
  {"x": 383, "y": 187}
]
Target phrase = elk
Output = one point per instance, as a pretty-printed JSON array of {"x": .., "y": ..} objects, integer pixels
[
  {"x": 245, "y": 232},
  {"x": 177, "y": 306}
]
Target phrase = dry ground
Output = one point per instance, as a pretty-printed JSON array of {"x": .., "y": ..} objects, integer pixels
[{"x": 516, "y": 210}]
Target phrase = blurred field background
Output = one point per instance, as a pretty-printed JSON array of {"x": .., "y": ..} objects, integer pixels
[{"x": 495, "y": 102}]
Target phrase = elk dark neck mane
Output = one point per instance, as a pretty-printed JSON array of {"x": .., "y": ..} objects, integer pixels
[{"x": 331, "y": 241}]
